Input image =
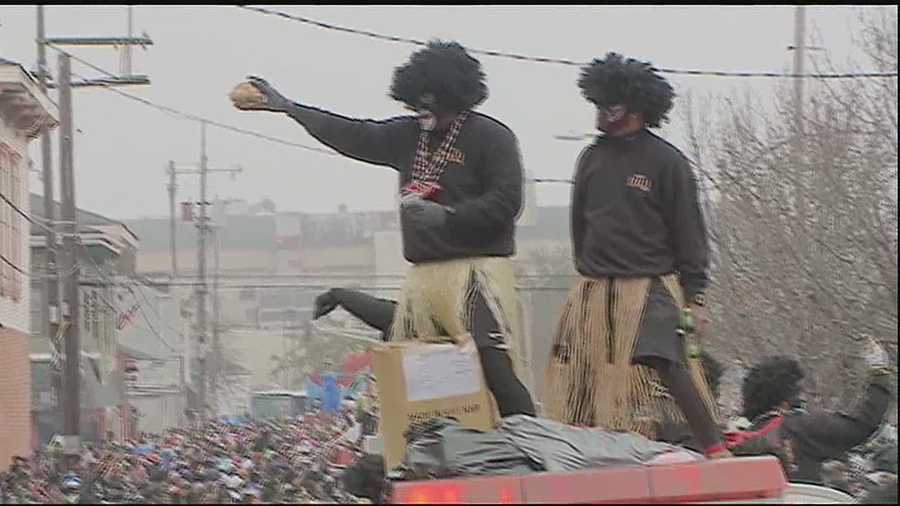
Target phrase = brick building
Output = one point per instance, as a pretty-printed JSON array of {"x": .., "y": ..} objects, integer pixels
[{"x": 24, "y": 110}]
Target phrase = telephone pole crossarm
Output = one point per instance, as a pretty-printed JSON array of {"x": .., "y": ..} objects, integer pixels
[{"x": 99, "y": 41}]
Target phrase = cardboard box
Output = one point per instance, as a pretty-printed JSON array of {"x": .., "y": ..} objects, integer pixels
[{"x": 418, "y": 381}]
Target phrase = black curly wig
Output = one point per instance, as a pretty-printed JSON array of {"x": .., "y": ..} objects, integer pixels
[
  {"x": 769, "y": 383},
  {"x": 442, "y": 69},
  {"x": 616, "y": 80}
]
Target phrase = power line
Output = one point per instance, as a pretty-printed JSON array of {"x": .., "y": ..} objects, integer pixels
[
  {"x": 23, "y": 213},
  {"x": 558, "y": 61},
  {"x": 194, "y": 117},
  {"x": 15, "y": 267},
  {"x": 187, "y": 115},
  {"x": 113, "y": 282}
]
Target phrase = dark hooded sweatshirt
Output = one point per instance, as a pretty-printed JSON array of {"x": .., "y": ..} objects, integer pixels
[
  {"x": 482, "y": 181},
  {"x": 817, "y": 436},
  {"x": 635, "y": 212}
]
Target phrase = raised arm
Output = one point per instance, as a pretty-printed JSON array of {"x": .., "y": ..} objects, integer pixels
[
  {"x": 823, "y": 435},
  {"x": 376, "y": 142}
]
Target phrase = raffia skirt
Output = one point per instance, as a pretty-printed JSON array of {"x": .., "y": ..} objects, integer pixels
[
  {"x": 438, "y": 299},
  {"x": 607, "y": 327}
]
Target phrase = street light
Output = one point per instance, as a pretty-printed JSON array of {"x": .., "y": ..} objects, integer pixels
[{"x": 574, "y": 136}]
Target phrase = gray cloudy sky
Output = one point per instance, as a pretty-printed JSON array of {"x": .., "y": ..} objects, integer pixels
[{"x": 201, "y": 52}]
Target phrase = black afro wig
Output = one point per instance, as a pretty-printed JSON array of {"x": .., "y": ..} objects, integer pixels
[
  {"x": 616, "y": 80},
  {"x": 769, "y": 383},
  {"x": 444, "y": 70}
]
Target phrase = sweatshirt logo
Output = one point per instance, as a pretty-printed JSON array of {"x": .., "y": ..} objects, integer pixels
[
  {"x": 454, "y": 155},
  {"x": 640, "y": 181}
]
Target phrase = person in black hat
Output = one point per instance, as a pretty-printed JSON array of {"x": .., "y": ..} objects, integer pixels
[{"x": 461, "y": 183}]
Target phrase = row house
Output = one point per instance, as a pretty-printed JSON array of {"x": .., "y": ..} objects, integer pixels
[
  {"x": 105, "y": 260},
  {"x": 24, "y": 111}
]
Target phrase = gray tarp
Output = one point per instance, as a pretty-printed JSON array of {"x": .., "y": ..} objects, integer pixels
[
  {"x": 554, "y": 446},
  {"x": 441, "y": 448}
]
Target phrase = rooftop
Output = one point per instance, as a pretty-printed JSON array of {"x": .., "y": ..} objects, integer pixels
[{"x": 85, "y": 219}]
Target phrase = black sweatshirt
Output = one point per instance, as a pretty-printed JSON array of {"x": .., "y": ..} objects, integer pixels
[
  {"x": 635, "y": 212},
  {"x": 482, "y": 182},
  {"x": 818, "y": 436}
]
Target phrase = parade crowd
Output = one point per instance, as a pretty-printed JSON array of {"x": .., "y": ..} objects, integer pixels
[{"x": 290, "y": 460}]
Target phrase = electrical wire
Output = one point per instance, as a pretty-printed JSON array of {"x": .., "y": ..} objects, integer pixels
[
  {"x": 186, "y": 115},
  {"x": 195, "y": 117},
  {"x": 25, "y": 215},
  {"x": 15, "y": 267},
  {"x": 559, "y": 61},
  {"x": 112, "y": 282}
]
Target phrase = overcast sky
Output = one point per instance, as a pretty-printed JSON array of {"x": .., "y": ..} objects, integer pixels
[{"x": 201, "y": 52}]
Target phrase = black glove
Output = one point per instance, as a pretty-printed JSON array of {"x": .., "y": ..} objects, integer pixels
[
  {"x": 326, "y": 303},
  {"x": 274, "y": 101},
  {"x": 424, "y": 213}
]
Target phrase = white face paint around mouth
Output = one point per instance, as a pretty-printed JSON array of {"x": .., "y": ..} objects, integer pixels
[{"x": 427, "y": 121}]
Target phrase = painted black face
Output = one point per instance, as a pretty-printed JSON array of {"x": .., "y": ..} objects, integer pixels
[{"x": 610, "y": 117}]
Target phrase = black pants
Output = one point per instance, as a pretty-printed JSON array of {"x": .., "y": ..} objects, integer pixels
[
  {"x": 511, "y": 395},
  {"x": 677, "y": 380}
]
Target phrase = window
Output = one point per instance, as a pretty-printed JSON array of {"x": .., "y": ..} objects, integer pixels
[
  {"x": 11, "y": 224},
  {"x": 5, "y": 162},
  {"x": 16, "y": 220}
]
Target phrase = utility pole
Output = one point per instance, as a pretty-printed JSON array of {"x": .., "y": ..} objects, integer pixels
[
  {"x": 202, "y": 227},
  {"x": 125, "y": 61},
  {"x": 217, "y": 344},
  {"x": 50, "y": 308},
  {"x": 172, "y": 187},
  {"x": 72, "y": 399},
  {"x": 68, "y": 259},
  {"x": 200, "y": 290},
  {"x": 799, "y": 55}
]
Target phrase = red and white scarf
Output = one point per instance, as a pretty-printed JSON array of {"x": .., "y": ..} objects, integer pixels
[{"x": 428, "y": 167}]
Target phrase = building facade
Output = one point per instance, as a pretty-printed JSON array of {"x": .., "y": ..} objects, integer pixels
[
  {"x": 261, "y": 251},
  {"x": 116, "y": 309},
  {"x": 24, "y": 112}
]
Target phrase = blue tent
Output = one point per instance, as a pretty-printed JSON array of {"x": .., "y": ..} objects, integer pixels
[{"x": 331, "y": 396}]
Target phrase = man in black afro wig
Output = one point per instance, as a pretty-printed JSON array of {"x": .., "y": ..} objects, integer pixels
[
  {"x": 445, "y": 71},
  {"x": 461, "y": 182},
  {"x": 640, "y": 245},
  {"x": 772, "y": 384},
  {"x": 616, "y": 80},
  {"x": 802, "y": 439}
]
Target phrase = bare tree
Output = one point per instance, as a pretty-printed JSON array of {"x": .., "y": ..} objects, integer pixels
[{"x": 803, "y": 215}]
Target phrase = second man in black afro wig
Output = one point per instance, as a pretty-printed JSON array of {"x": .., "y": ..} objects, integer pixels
[
  {"x": 639, "y": 237},
  {"x": 615, "y": 80}
]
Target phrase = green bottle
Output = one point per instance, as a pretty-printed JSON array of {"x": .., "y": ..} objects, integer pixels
[{"x": 686, "y": 328}]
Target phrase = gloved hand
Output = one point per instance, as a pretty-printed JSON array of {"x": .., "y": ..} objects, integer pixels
[
  {"x": 875, "y": 355},
  {"x": 274, "y": 101},
  {"x": 326, "y": 303},
  {"x": 424, "y": 213}
]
